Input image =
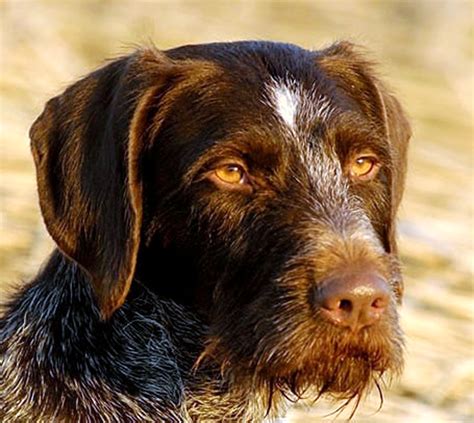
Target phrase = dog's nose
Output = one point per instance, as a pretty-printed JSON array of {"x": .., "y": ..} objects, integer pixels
[{"x": 354, "y": 300}]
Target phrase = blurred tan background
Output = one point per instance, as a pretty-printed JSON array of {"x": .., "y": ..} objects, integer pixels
[{"x": 426, "y": 52}]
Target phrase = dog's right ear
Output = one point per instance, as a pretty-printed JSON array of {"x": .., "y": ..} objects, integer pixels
[{"x": 87, "y": 145}]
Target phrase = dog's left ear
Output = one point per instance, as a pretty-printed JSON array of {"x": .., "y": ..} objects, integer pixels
[
  {"x": 355, "y": 75},
  {"x": 87, "y": 146}
]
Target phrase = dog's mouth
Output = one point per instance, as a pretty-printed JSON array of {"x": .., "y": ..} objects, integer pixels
[
  {"x": 344, "y": 372},
  {"x": 345, "y": 367},
  {"x": 293, "y": 348},
  {"x": 341, "y": 365}
]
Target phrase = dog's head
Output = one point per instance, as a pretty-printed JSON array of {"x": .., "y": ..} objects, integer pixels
[{"x": 255, "y": 182}]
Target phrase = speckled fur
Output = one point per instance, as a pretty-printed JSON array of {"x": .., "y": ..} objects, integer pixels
[{"x": 171, "y": 299}]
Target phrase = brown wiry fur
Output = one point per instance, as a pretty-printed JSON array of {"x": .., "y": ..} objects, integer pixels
[{"x": 175, "y": 297}]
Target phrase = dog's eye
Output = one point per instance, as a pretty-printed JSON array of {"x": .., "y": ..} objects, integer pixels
[
  {"x": 231, "y": 174},
  {"x": 231, "y": 177},
  {"x": 364, "y": 167}
]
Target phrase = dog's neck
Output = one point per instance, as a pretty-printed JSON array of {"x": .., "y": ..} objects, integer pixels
[
  {"x": 208, "y": 401},
  {"x": 210, "y": 395},
  {"x": 204, "y": 394},
  {"x": 177, "y": 279}
]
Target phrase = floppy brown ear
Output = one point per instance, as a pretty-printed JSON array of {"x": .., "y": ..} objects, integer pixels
[
  {"x": 355, "y": 74},
  {"x": 87, "y": 146},
  {"x": 398, "y": 132}
]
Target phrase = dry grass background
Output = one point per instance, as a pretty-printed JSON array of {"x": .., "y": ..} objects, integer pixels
[{"x": 425, "y": 48}]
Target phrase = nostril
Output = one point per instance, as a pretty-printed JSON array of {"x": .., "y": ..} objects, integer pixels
[
  {"x": 353, "y": 300},
  {"x": 380, "y": 302},
  {"x": 346, "y": 305}
]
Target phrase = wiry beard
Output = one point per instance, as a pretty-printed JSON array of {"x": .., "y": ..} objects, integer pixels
[
  {"x": 348, "y": 376},
  {"x": 311, "y": 363}
]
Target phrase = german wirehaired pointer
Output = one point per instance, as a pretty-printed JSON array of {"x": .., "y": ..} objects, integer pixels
[{"x": 224, "y": 216}]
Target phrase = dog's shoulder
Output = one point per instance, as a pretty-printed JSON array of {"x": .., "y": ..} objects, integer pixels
[{"x": 74, "y": 363}]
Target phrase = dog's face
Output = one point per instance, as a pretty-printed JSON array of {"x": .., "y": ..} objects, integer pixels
[{"x": 262, "y": 176}]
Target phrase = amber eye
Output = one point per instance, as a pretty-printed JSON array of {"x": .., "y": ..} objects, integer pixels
[
  {"x": 364, "y": 167},
  {"x": 231, "y": 174}
]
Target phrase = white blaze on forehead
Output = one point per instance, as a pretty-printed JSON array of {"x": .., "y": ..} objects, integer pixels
[
  {"x": 287, "y": 101},
  {"x": 323, "y": 107},
  {"x": 298, "y": 108}
]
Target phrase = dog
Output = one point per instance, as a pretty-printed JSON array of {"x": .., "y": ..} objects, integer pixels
[{"x": 224, "y": 216}]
